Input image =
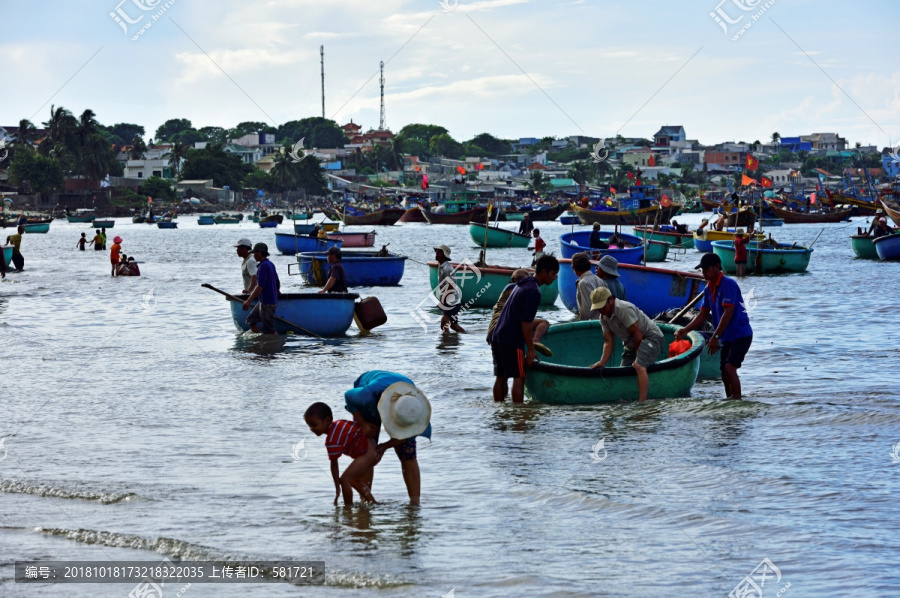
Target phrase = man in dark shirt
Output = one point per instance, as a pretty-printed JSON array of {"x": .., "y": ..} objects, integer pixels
[
  {"x": 337, "y": 278},
  {"x": 267, "y": 287},
  {"x": 526, "y": 226},
  {"x": 594, "y": 241},
  {"x": 514, "y": 330}
]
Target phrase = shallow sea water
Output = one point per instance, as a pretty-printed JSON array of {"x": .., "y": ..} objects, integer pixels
[{"x": 138, "y": 427}]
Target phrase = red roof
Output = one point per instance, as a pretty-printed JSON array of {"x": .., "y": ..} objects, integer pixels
[
  {"x": 536, "y": 166},
  {"x": 351, "y": 126}
]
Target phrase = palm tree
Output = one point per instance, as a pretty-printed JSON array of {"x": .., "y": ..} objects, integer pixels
[
  {"x": 176, "y": 155},
  {"x": 776, "y": 137},
  {"x": 60, "y": 141},
  {"x": 24, "y": 134},
  {"x": 581, "y": 172},
  {"x": 285, "y": 171},
  {"x": 138, "y": 148},
  {"x": 538, "y": 183},
  {"x": 97, "y": 159},
  {"x": 87, "y": 126}
]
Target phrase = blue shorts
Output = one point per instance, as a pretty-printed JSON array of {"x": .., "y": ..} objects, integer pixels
[{"x": 733, "y": 352}]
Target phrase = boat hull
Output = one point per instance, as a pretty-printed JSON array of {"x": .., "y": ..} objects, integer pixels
[
  {"x": 676, "y": 239},
  {"x": 547, "y": 214},
  {"x": 167, "y": 224},
  {"x": 497, "y": 237},
  {"x": 80, "y": 219},
  {"x": 657, "y": 251},
  {"x": 864, "y": 247},
  {"x": 205, "y": 221},
  {"x": 386, "y": 217},
  {"x": 565, "y": 378},
  {"x": 325, "y": 314},
  {"x": 569, "y": 220},
  {"x": 703, "y": 243},
  {"x": 770, "y": 222},
  {"x": 481, "y": 287},
  {"x": 765, "y": 261},
  {"x": 805, "y": 218},
  {"x": 37, "y": 228},
  {"x": 268, "y": 224},
  {"x": 572, "y": 243},
  {"x": 413, "y": 214},
  {"x": 888, "y": 247},
  {"x": 7, "y": 255},
  {"x": 305, "y": 229},
  {"x": 513, "y": 216},
  {"x": 103, "y": 224},
  {"x": 226, "y": 221},
  {"x": 464, "y": 217},
  {"x": 656, "y": 214},
  {"x": 892, "y": 213},
  {"x": 354, "y": 239},
  {"x": 289, "y": 244},
  {"x": 363, "y": 268},
  {"x": 744, "y": 217},
  {"x": 652, "y": 290}
]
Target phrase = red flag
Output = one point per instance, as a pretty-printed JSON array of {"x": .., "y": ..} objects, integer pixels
[
  {"x": 424, "y": 181},
  {"x": 752, "y": 163},
  {"x": 631, "y": 175},
  {"x": 638, "y": 182},
  {"x": 612, "y": 190},
  {"x": 460, "y": 170},
  {"x": 765, "y": 182},
  {"x": 666, "y": 201},
  {"x": 812, "y": 199},
  {"x": 747, "y": 181},
  {"x": 149, "y": 199},
  {"x": 418, "y": 169}
]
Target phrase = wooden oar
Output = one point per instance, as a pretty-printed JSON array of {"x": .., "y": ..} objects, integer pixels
[
  {"x": 279, "y": 318},
  {"x": 687, "y": 307}
]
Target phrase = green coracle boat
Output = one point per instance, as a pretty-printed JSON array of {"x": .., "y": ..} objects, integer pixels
[
  {"x": 497, "y": 237},
  {"x": 481, "y": 287},
  {"x": 656, "y": 251},
  {"x": 514, "y": 216},
  {"x": 226, "y": 220},
  {"x": 565, "y": 378},
  {"x": 42, "y": 227},
  {"x": 864, "y": 247},
  {"x": 782, "y": 258},
  {"x": 667, "y": 234}
]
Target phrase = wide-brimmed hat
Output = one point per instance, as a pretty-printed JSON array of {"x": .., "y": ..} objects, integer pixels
[
  {"x": 117, "y": 239},
  {"x": 404, "y": 410},
  {"x": 599, "y": 297},
  {"x": 445, "y": 249},
  {"x": 245, "y": 242},
  {"x": 609, "y": 264}
]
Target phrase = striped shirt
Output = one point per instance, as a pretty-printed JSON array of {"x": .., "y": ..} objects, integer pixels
[{"x": 345, "y": 437}]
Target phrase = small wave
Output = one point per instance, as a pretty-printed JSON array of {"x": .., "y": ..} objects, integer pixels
[{"x": 107, "y": 498}]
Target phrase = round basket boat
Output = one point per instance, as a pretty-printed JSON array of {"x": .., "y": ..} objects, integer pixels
[
  {"x": 780, "y": 259},
  {"x": 362, "y": 268},
  {"x": 566, "y": 378},
  {"x": 572, "y": 243}
]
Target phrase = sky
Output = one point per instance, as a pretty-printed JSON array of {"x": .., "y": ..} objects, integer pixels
[{"x": 512, "y": 68}]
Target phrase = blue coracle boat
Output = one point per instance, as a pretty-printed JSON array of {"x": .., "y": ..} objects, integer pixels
[
  {"x": 888, "y": 247},
  {"x": 652, "y": 290},
  {"x": 268, "y": 224},
  {"x": 167, "y": 224},
  {"x": 289, "y": 244},
  {"x": 205, "y": 220},
  {"x": 363, "y": 268},
  {"x": 573, "y": 243},
  {"x": 325, "y": 314}
]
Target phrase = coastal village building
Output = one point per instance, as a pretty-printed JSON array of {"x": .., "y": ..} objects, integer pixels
[
  {"x": 156, "y": 162},
  {"x": 264, "y": 142},
  {"x": 666, "y": 136},
  {"x": 826, "y": 141}
]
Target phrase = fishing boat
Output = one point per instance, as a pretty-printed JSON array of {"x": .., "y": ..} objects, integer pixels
[
  {"x": 298, "y": 216},
  {"x": 103, "y": 224},
  {"x": 324, "y": 314},
  {"x": 888, "y": 247},
  {"x": 509, "y": 216},
  {"x": 305, "y": 229},
  {"x": 566, "y": 378},
  {"x": 205, "y": 220},
  {"x": 354, "y": 239},
  {"x": 140, "y": 219},
  {"x": 629, "y": 251},
  {"x": 710, "y": 365},
  {"x": 569, "y": 218},
  {"x": 268, "y": 224},
  {"x": 770, "y": 222},
  {"x": 37, "y": 228},
  {"x": 362, "y": 268},
  {"x": 546, "y": 213},
  {"x": 459, "y": 211},
  {"x": 413, "y": 214},
  {"x": 270, "y": 221},
  {"x": 778, "y": 258},
  {"x": 864, "y": 247},
  {"x": 166, "y": 224},
  {"x": 809, "y": 217},
  {"x": 892, "y": 213},
  {"x": 7, "y": 254},
  {"x": 385, "y": 217},
  {"x": 481, "y": 287},
  {"x": 652, "y": 290},
  {"x": 289, "y": 244},
  {"x": 496, "y": 236},
  {"x": 704, "y": 241},
  {"x": 226, "y": 219},
  {"x": 656, "y": 251},
  {"x": 667, "y": 233},
  {"x": 82, "y": 215},
  {"x": 862, "y": 207},
  {"x": 745, "y": 217},
  {"x": 631, "y": 217}
]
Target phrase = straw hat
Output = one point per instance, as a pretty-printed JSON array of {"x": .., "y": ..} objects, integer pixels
[{"x": 404, "y": 410}]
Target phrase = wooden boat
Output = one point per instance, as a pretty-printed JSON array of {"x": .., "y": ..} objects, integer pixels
[
  {"x": 205, "y": 220},
  {"x": 632, "y": 253},
  {"x": 140, "y": 219},
  {"x": 413, "y": 214},
  {"x": 82, "y": 215},
  {"x": 547, "y": 214},
  {"x": 704, "y": 241},
  {"x": 665, "y": 233},
  {"x": 864, "y": 247},
  {"x": 306, "y": 229},
  {"x": 276, "y": 218},
  {"x": 694, "y": 208},
  {"x": 289, "y": 244},
  {"x": 324, "y": 314},
  {"x": 354, "y": 239},
  {"x": 765, "y": 259},
  {"x": 569, "y": 218},
  {"x": 769, "y": 222},
  {"x": 166, "y": 224},
  {"x": 652, "y": 290},
  {"x": 385, "y": 217},
  {"x": 103, "y": 224},
  {"x": 863, "y": 207},
  {"x": 656, "y": 251},
  {"x": 363, "y": 268},
  {"x": 745, "y": 217},
  {"x": 892, "y": 213},
  {"x": 481, "y": 287},
  {"x": 656, "y": 214},
  {"x": 7, "y": 255},
  {"x": 566, "y": 378},
  {"x": 811, "y": 218},
  {"x": 464, "y": 217},
  {"x": 37, "y": 228},
  {"x": 497, "y": 237},
  {"x": 888, "y": 247}
]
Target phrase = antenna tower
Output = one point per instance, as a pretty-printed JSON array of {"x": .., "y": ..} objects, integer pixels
[
  {"x": 322, "y": 54},
  {"x": 381, "y": 122}
]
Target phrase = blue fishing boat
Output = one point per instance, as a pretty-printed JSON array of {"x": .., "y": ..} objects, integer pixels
[
  {"x": 289, "y": 244},
  {"x": 652, "y": 290},
  {"x": 888, "y": 247},
  {"x": 573, "y": 243},
  {"x": 205, "y": 220},
  {"x": 569, "y": 218},
  {"x": 167, "y": 224},
  {"x": 769, "y": 222},
  {"x": 324, "y": 314},
  {"x": 268, "y": 224},
  {"x": 363, "y": 268}
]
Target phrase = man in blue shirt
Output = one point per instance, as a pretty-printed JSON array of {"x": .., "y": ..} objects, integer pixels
[
  {"x": 267, "y": 287},
  {"x": 362, "y": 401},
  {"x": 514, "y": 329},
  {"x": 722, "y": 298}
]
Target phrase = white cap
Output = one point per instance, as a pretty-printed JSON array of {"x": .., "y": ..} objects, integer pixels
[{"x": 244, "y": 243}]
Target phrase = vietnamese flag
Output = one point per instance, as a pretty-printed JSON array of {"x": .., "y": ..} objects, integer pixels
[
  {"x": 765, "y": 182},
  {"x": 666, "y": 201},
  {"x": 631, "y": 175},
  {"x": 752, "y": 163},
  {"x": 746, "y": 181},
  {"x": 638, "y": 182}
]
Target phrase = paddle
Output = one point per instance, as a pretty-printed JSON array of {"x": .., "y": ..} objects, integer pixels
[
  {"x": 279, "y": 318},
  {"x": 687, "y": 307},
  {"x": 816, "y": 239}
]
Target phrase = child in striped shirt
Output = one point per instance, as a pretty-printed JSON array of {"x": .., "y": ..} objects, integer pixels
[{"x": 344, "y": 437}]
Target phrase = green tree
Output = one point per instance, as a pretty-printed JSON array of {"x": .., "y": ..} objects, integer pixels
[
  {"x": 24, "y": 135},
  {"x": 259, "y": 179},
  {"x": 176, "y": 156},
  {"x": 157, "y": 188},
  {"x": 97, "y": 159},
  {"x": 138, "y": 148},
  {"x": 329, "y": 134},
  {"x": 124, "y": 132},
  {"x": 171, "y": 127},
  {"x": 286, "y": 172},
  {"x": 60, "y": 142},
  {"x": 250, "y": 128},
  {"x": 415, "y": 147},
  {"x": 187, "y": 137},
  {"x": 581, "y": 172},
  {"x": 422, "y": 132},
  {"x": 538, "y": 183},
  {"x": 214, "y": 135},
  {"x": 212, "y": 162},
  {"x": 445, "y": 145},
  {"x": 486, "y": 144},
  {"x": 776, "y": 137},
  {"x": 42, "y": 174}
]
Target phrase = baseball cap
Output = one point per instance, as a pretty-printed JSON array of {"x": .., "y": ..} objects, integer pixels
[
  {"x": 599, "y": 297},
  {"x": 244, "y": 243},
  {"x": 262, "y": 248},
  {"x": 445, "y": 249},
  {"x": 709, "y": 259}
]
